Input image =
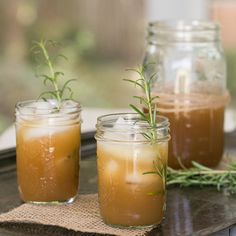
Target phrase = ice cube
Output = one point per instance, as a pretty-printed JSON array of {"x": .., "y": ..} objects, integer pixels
[
  {"x": 124, "y": 130},
  {"x": 26, "y": 111},
  {"x": 41, "y": 107},
  {"x": 139, "y": 178},
  {"x": 119, "y": 122},
  {"x": 68, "y": 106},
  {"x": 40, "y": 132},
  {"x": 118, "y": 131},
  {"x": 143, "y": 153},
  {"x": 133, "y": 178},
  {"x": 111, "y": 167},
  {"x": 35, "y": 108},
  {"x": 42, "y": 128},
  {"x": 37, "y": 132},
  {"x": 38, "y": 119}
]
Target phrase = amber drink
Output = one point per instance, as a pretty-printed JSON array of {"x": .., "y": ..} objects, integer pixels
[
  {"x": 131, "y": 193},
  {"x": 48, "y": 151},
  {"x": 197, "y": 128}
]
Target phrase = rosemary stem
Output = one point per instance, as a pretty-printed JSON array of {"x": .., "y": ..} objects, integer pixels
[
  {"x": 49, "y": 63},
  {"x": 202, "y": 172},
  {"x": 150, "y": 108}
]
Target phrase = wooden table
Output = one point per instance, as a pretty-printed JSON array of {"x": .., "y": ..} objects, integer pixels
[{"x": 190, "y": 211}]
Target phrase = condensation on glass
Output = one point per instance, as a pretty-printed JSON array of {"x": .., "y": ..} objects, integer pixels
[
  {"x": 127, "y": 196},
  {"x": 191, "y": 82}
]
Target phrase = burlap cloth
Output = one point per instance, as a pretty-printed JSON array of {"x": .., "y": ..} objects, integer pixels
[{"x": 81, "y": 216}]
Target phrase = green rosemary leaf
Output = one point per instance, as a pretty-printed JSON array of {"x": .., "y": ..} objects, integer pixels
[
  {"x": 145, "y": 66},
  {"x": 44, "y": 99},
  {"x": 152, "y": 77},
  {"x": 53, "y": 42},
  {"x": 198, "y": 165},
  {"x": 51, "y": 93},
  {"x": 138, "y": 111},
  {"x": 57, "y": 73},
  {"x": 154, "y": 98},
  {"x": 46, "y": 79},
  {"x": 64, "y": 90},
  {"x": 134, "y": 82},
  {"x": 141, "y": 100},
  {"x": 135, "y": 70},
  {"x": 154, "y": 116},
  {"x": 147, "y": 136},
  {"x": 149, "y": 172},
  {"x": 65, "y": 87},
  {"x": 34, "y": 48},
  {"x": 68, "y": 81},
  {"x": 62, "y": 56}
]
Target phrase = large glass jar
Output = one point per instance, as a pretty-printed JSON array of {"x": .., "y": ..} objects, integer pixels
[
  {"x": 48, "y": 150},
  {"x": 131, "y": 170},
  {"x": 191, "y": 83}
]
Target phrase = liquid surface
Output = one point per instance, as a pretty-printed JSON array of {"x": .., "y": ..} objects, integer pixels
[
  {"x": 47, "y": 161},
  {"x": 128, "y": 197}
]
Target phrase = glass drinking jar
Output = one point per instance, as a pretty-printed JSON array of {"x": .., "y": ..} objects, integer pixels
[
  {"x": 191, "y": 83},
  {"x": 131, "y": 170},
  {"x": 48, "y": 151}
]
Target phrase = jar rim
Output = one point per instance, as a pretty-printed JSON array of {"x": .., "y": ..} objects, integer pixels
[
  {"x": 32, "y": 104},
  {"x": 46, "y": 113},
  {"x": 133, "y": 125},
  {"x": 185, "y": 25},
  {"x": 112, "y": 118},
  {"x": 197, "y": 31}
]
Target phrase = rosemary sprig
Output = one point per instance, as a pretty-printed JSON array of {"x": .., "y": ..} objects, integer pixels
[
  {"x": 53, "y": 76},
  {"x": 160, "y": 170},
  {"x": 148, "y": 101},
  {"x": 200, "y": 175}
]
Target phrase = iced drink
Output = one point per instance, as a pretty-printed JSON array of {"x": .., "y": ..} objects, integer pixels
[
  {"x": 127, "y": 195},
  {"x": 48, "y": 153},
  {"x": 131, "y": 178}
]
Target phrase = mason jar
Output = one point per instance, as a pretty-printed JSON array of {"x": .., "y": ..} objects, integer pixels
[
  {"x": 191, "y": 83},
  {"x": 131, "y": 170},
  {"x": 48, "y": 150}
]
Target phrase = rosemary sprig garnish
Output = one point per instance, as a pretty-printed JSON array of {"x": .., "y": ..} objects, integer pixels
[
  {"x": 160, "y": 170},
  {"x": 201, "y": 176},
  {"x": 53, "y": 76},
  {"x": 148, "y": 101}
]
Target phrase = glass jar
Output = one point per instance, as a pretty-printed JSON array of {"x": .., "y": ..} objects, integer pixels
[
  {"x": 191, "y": 83},
  {"x": 48, "y": 150},
  {"x": 131, "y": 170}
]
